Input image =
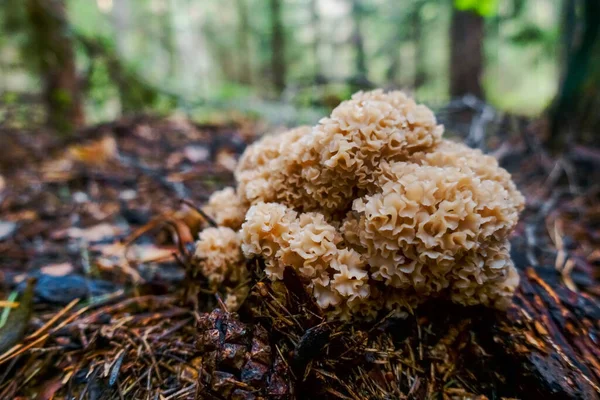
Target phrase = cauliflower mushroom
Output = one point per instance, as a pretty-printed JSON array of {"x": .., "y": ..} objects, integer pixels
[
  {"x": 226, "y": 208},
  {"x": 219, "y": 258},
  {"x": 377, "y": 213}
]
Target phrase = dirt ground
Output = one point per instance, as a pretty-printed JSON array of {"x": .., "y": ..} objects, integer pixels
[{"x": 94, "y": 232}]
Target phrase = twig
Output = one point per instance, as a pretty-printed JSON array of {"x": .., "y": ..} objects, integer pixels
[{"x": 199, "y": 211}]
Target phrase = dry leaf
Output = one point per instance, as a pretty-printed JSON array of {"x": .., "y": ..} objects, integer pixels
[
  {"x": 113, "y": 255},
  {"x": 226, "y": 159},
  {"x": 94, "y": 233},
  {"x": 57, "y": 170},
  {"x": 60, "y": 269},
  {"x": 196, "y": 153},
  {"x": 95, "y": 153}
]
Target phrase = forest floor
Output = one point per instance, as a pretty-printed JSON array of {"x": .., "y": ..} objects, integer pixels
[{"x": 94, "y": 234}]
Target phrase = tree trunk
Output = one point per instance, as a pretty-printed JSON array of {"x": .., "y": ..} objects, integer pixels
[
  {"x": 574, "y": 111},
  {"x": 466, "y": 53},
  {"x": 316, "y": 43},
  {"x": 278, "y": 67},
  {"x": 545, "y": 345},
  {"x": 243, "y": 42},
  {"x": 358, "y": 41},
  {"x": 56, "y": 63},
  {"x": 568, "y": 25},
  {"x": 420, "y": 73}
]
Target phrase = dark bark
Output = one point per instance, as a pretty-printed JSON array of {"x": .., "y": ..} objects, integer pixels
[
  {"x": 545, "y": 346},
  {"x": 574, "y": 115},
  {"x": 568, "y": 25},
  {"x": 278, "y": 67},
  {"x": 53, "y": 48},
  {"x": 466, "y": 53}
]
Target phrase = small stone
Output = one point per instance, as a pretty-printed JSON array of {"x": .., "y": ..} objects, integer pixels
[{"x": 7, "y": 230}]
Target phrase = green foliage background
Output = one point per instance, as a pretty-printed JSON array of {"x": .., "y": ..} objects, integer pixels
[{"x": 163, "y": 55}]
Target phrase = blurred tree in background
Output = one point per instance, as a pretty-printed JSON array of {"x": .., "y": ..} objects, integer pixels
[
  {"x": 278, "y": 61},
  {"x": 466, "y": 49},
  {"x": 575, "y": 109},
  {"x": 51, "y": 48},
  {"x": 280, "y": 58},
  {"x": 48, "y": 50}
]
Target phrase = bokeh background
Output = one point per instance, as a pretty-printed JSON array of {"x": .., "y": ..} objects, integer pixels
[{"x": 286, "y": 61}]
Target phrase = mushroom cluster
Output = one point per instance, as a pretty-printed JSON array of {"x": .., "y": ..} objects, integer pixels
[
  {"x": 375, "y": 211},
  {"x": 221, "y": 261}
]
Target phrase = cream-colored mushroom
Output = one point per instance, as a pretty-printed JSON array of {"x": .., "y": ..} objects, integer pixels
[
  {"x": 377, "y": 213},
  {"x": 219, "y": 258},
  {"x": 226, "y": 208}
]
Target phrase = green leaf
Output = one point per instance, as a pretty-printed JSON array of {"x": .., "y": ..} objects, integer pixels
[
  {"x": 485, "y": 8},
  {"x": 10, "y": 98},
  {"x": 16, "y": 322},
  {"x": 6, "y": 310},
  {"x": 62, "y": 97},
  {"x": 528, "y": 35}
]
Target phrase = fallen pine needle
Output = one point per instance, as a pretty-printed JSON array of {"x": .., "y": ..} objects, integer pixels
[{"x": 51, "y": 322}]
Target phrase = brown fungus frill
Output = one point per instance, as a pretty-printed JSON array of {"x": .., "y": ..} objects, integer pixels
[{"x": 376, "y": 212}]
